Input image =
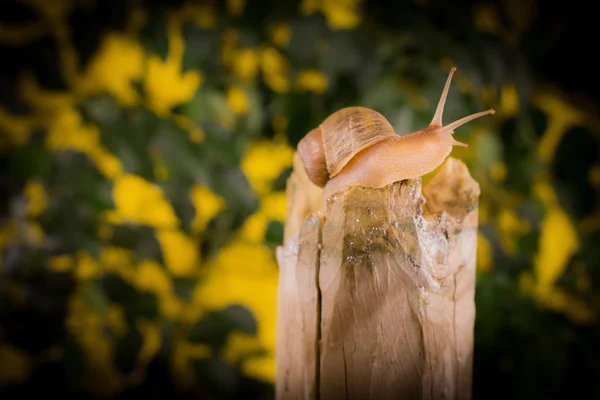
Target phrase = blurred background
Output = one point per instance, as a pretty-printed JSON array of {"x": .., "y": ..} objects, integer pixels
[{"x": 144, "y": 150}]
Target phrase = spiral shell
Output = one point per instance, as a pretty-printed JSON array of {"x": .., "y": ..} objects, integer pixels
[{"x": 326, "y": 150}]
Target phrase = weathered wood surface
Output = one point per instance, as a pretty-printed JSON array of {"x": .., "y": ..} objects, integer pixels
[{"x": 377, "y": 300}]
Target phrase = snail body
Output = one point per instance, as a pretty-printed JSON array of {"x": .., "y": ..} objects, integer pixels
[{"x": 357, "y": 146}]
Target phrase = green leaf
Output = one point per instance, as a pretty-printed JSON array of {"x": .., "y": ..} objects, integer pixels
[
  {"x": 140, "y": 239},
  {"x": 127, "y": 350},
  {"x": 144, "y": 306},
  {"x": 301, "y": 118},
  {"x": 118, "y": 290},
  {"x": 208, "y": 105},
  {"x": 307, "y": 32},
  {"x": 342, "y": 54},
  {"x": 489, "y": 149},
  {"x": 103, "y": 109},
  {"x": 221, "y": 379},
  {"x": 73, "y": 361},
  {"x": 177, "y": 193},
  {"x": 31, "y": 160},
  {"x": 280, "y": 183},
  {"x": 185, "y": 159},
  {"x": 200, "y": 45},
  {"x": 184, "y": 287},
  {"x": 94, "y": 297},
  {"x": 155, "y": 37},
  {"x": 215, "y": 326},
  {"x": 274, "y": 235},
  {"x": 129, "y": 140}
]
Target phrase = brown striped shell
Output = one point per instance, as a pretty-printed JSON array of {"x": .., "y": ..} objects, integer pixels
[{"x": 326, "y": 150}]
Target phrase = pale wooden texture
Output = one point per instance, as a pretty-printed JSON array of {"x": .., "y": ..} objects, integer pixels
[
  {"x": 297, "y": 316},
  {"x": 297, "y": 293},
  {"x": 303, "y": 197},
  {"x": 396, "y": 276}
]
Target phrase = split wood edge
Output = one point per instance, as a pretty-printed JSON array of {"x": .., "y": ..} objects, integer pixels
[{"x": 377, "y": 301}]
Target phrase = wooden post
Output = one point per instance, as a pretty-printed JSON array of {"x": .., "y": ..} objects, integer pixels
[{"x": 376, "y": 301}]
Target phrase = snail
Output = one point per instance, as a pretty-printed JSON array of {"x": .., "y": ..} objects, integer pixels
[{"x": 357, "y": 146}]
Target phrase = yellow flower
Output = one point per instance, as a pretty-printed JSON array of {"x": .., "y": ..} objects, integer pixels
[
  {"x": 115, "y": 319},
  {"x": 207, "y": 205},
  {"x": 203, "y": 15},
  {"x": 21, "y": 34},
  {"x": 15, "y": 365},
  {"x": 562, "y": 116},
  {"x": 594, "y": 175},
  {"x": 229, "y": 44},
  {"x": 273, "y": 62},
  {"x": 560, "y": 301},
  {"x": 509, "y": 100},
  {"x": 240, "y": 347},
  {"x": 87, "y": 328},
  {"x": 141, "y": 202},
  {"x": 153, "y": 278},
  {"x": 105, "y": 230},
  {"x": 246, "y": 274},
  {"x": 61, "y": 263},
  {"x": 165, "y": 84},
  {"x": 280, "y": 123},
  {"x": 184, "y": 353},
  {"x": 36, "y": 198},
  {"x": 511, "y": 227},
  {"x": 171, "y": 307},
  {"x": 8, "y": 234},
  {"x": 281, "y": 34},
  {"x": 498, "y": 171},
  {"x": 261, "y": 368},
  {"x": 118, "y": 260},
  {"x": 115, "y": 68},
  {"x": 254, "y": 228},
  {"x": 109, "y": 165},
  {"x": 274, "y": 206},
  {"x": 16, "y": 130},
  {"x": 341, "y": 14},
  {"x": 44, "y": 101},
  {"x": 489, "y": 93},
  {"x": 245, "y": 64},
  {"x": 484, "y": 253},
  {"x": 161, "y": 171},
  {"x": 277, "y": 82},
  {"x": 64, "y": 132},
  {"x": 312, "y": 81},
  {"x": 543, "y": 190},
  {"x": 237, "y": 100},
  {"x": 86, "y": 267},
  {"x": 180, "y": 252},
  {"x": 487, "y": 19},
  {"x": 264, "y": 161},
  {"x": 309, "y": 7},
  {"x": 34, "y": 233},
  {"x": 275, "y": 69},
  {"x": 151, "y": 340},
  {"x": 196, "y": 134},
  {"x": 236, "y": 7},
  {"x": 67, "y": 132},
  {"x": 484, "y": 210},
  {"x": 558, "y": 242},
  {"x": 56, "y": 11}
]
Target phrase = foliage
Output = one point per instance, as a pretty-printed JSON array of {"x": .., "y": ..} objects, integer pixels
[{"x": 144, "y": 152}]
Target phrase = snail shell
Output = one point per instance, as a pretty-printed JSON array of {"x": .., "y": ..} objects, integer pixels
[{"x": 327, "y": 149}]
